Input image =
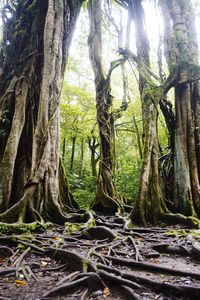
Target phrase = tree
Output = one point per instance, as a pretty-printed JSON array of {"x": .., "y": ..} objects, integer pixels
[
  {"x": 149, "y": 201},
  {"x": 93, "y": 145},
  {"x": 36, "y": 39},
  {"x": 181, "y": 48},
  {"x": 150, "y": 205},
  {"x": 107, "y": 196}
]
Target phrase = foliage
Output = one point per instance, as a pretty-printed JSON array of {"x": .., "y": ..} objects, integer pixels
[
  {"x": 83, "y": 189},
  {"x": 77, "y": 111},
  {"x": 127, "y": 181}
]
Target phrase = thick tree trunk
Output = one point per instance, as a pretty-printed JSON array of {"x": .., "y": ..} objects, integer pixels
[
  {"x": 185, "y": 160},
  {"x": 187, "y": 104},
  {"x": 148, "y": 203},
  {"x": 36, "y": 44},
  {"x": 147, "y": 207},
  {"x": 107, "y": 197},
  {"x": 195, "y": 103}
]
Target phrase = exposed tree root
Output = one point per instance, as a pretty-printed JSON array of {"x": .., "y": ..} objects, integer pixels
[
  {"x": 95, "y": 262},
  {"x": 129, "y": 293},
  {"x": 150, "y": 267},
  {"x": 76, "y": 284},
  {"x": 165, "y": 248},
  {"x": 172, "y": 219},
  {"x": 166, "y": 287},
  {"x": 5, "y": 251},
  {"x": 98, "y": 233},
  {"x": 77, "y": 262},
  {"x": 7, "y": 271},
  {"x": 22, "y": 228},
  {"x": 117, "y": 280}
]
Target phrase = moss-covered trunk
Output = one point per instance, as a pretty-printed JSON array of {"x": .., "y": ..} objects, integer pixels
[
  {"x": 33, "y": 56},
  {"x": 148, "y": 203},
  {"x": 107, "y": 197},
  {"x": 186, "y": 180},
  {"x": 147, "y": 206},
  {"x": 181, "y": 47}
]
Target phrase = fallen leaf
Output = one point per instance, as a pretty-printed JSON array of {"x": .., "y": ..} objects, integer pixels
[
  {"x": 106, "y": 292},
  {"x": 57, "y": 238},
  {"x": 44, "y": 263},
  {"x": 20, "y": 282}
]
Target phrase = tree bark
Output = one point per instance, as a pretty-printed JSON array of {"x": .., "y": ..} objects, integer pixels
[
  {"x": 63, "y": 149},
  {"x": 107, "y": 197},
  {"x": 93, "y": 145},
  {"x": 181, "y": 46},
  {"x": 33, "y": 57},
  {"x": 72, "y": 154},
  {"x": 139, "y": 143},
  {"x": 81, "y": 158},
  {"x": 148, "y": 203}
]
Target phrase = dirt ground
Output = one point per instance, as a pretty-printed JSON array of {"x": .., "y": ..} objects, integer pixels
[{"x": 106, "y": 262}]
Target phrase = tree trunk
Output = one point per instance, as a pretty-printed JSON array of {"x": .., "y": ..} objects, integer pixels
[
  {"x": 139, "y": 144},
  {"x": 107, "y": 197},
  {"x": 35, "y": 48},
  {"x": 93, "y": 145},
  {"x": 63, "y": 149},
  {"x": 187, "y": 105},
  {"x": 72, "y": 154},
  {"x": 148, "y": 203},
  {"x": 81, "y": 158}
]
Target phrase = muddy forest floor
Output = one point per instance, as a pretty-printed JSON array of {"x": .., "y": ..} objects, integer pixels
[{"x": 103, "y": 262}]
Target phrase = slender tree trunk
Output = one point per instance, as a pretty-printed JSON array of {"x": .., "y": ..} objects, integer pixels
[
  {"x": 81, "y": 158},
  {"x": 64, "y": 149},
  {"x": 72, "y": 154},
  {"x": 107, "y": 197},
  {"x": 36, "y": 44},
  {"x": 93, "y": 145},
  {"x": 139, "y": 144}
]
